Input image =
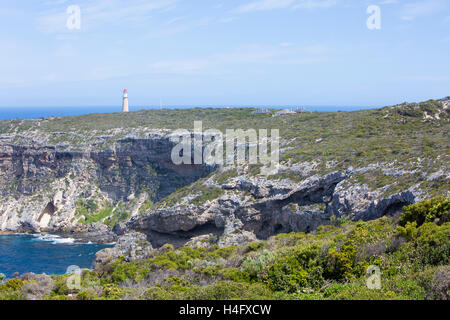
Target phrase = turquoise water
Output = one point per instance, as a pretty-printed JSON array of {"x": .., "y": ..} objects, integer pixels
[{"x": 43, "y": 254}]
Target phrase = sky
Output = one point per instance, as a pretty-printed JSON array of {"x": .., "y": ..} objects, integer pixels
[{"x": 223, "y": 52}]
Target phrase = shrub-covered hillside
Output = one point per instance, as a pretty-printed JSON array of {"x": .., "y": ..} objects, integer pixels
[
  {"x": 63, "y": 174},
  {"x": 412, "y": 253}
]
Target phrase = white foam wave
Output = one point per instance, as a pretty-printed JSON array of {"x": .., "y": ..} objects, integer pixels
[{"x": 53, "y": 238}]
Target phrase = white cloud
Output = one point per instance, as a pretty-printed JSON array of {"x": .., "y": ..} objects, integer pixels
[
  {"x": 227, "y": 20},
  {"x": 283, "y": 54},
  {"x": 4, "y": 11},
  {"x": 54, "y": 2},
  {"x": 175, "y": 28},
  {"x": 312, "y": 4},
  {"x": 263, "y": 5},
  {"x": 173, "y": 20},
  {"x": 186, "y": 67},
  {"x": 100, "y": 13},
  {"x": 427, "y": 78},
  {"x": 417, "y": 9}
]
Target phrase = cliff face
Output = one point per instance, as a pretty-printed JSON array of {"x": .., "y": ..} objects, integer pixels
[
  {"x": 42, "y": 189},
  {"x": 41, "y": 186},
  {"x": 267, "y": 209},
  {"x": 101, "y": 179}
]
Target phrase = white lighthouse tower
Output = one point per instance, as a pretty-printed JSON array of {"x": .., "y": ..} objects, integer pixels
[{"x": 125, "y": 101}]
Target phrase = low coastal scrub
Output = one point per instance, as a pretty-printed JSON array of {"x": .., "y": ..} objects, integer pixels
[
  {"x": 388, "y": 151},
  {"x": 427, "y": 211},
  {"x": 411, "y": 252},
  {"x": 88, "y": 211}
]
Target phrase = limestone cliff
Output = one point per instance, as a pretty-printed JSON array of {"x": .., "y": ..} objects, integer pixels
[
  {"x": 103, "y": 176},
  {"x": 45, "y": 189}
]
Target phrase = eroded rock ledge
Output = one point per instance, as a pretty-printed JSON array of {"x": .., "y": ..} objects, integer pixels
[
  {"x": 42, "y": 188},
  {"x": 231, "y": 220}
]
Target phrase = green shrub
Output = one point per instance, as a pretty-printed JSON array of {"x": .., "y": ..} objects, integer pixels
[
  {"x": 235, "y": 275},
  {"x": 409, "y": 288},
  {"x": 299, "y": 269},
  {"x": 434, "y": 243},
  {"x": 426, "y": 211},
  {"x": 439, "y": 287},
  {"x": 207, "y": 194},
  {"x": 221, "y": 252},
  {"x": 341, "y": 264},
  {"x": 255, "y": 246},
  {"x": 330, "y": 263},
  {"x": 409, "y": 231},
  {"x": 225, "y": 290},
  {"x": 121, "y": 271},
  {"x": 14, "y": 284},
  {"x": 358, "y": 291},
  {"x": 112, "y": 292},
  {"x": 86, "y": 295},
  {"x": 430, "y": 242},
  {"x": 253, "y": 266}
]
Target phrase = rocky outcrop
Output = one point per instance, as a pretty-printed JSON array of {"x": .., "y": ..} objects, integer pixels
[
  {"x": 120, "y": 173},
  {"x": 275, "y": 208},
  {"x": 289, "y": 212},
  {"x": 359, "y": 203},
  {"x": 96, "y": 232},
  {"x": 41, "y": 189},
  {"x": 40, "y": 186},
  {"x": 131, "y": 246},
  {"x": 136, "y": 164},
  {"x": 36, "y": 286}
]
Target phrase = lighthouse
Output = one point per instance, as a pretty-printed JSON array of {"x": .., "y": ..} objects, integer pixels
[{"x": 125, "y": 101}]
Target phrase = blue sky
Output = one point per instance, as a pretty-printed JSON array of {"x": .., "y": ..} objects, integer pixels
[{"x": 223, "y": 52}]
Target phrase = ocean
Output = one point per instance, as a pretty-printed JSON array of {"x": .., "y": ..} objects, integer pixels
[
  {"x": 44, "y": 112},
  {"x": 48, "y": 254}
]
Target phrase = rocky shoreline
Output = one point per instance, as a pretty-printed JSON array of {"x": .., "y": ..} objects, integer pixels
[
  {"x": 103, "y": 186},
  {"x": 95, "y": 233},
  {"x": 95, "y": 237}
]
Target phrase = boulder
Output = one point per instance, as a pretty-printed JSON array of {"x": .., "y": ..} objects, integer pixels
[
  {"x": 131, "y": 246},
  {"x": 36, "y": 286}
]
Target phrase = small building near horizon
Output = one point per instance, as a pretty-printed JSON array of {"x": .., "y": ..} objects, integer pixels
[
  {"x": 302, "y": 110},
  {"x": 284, "y": 112},
  {"x": 261, "y": 111}
]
